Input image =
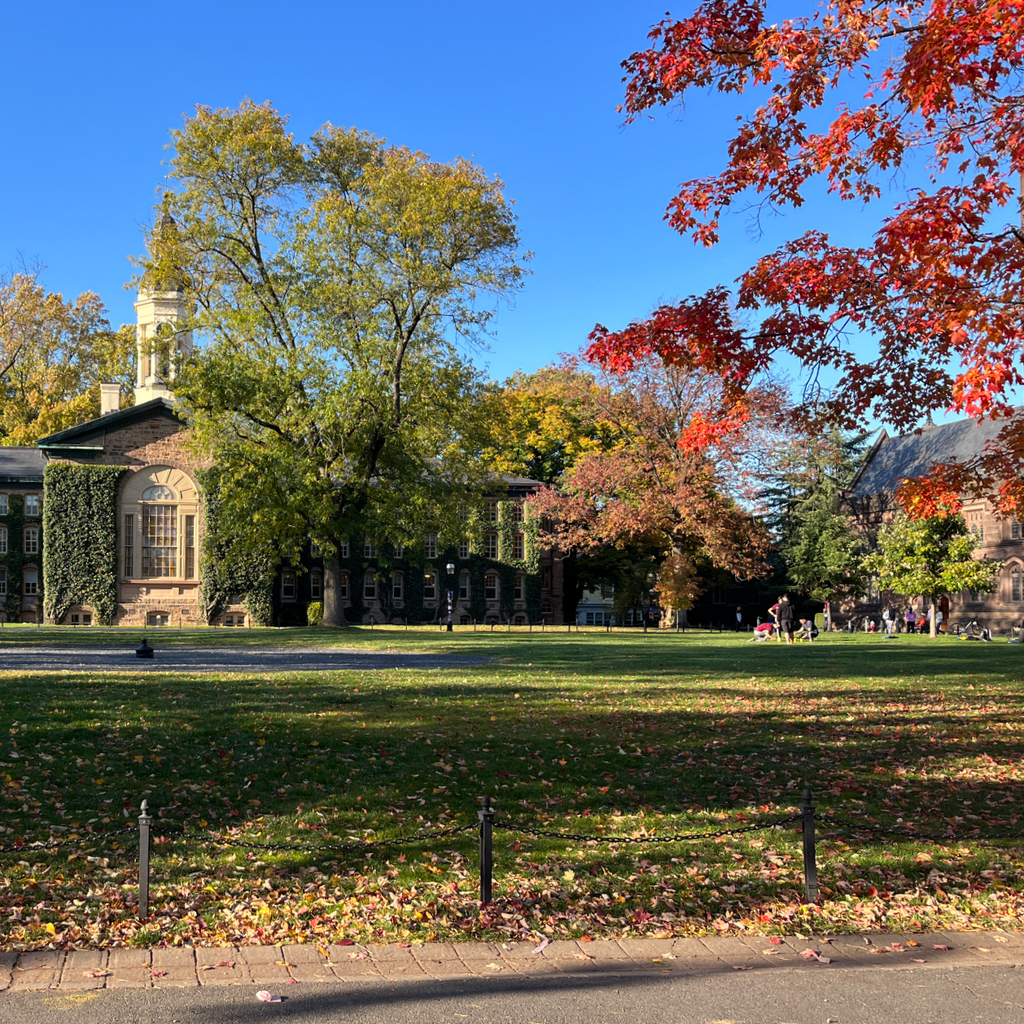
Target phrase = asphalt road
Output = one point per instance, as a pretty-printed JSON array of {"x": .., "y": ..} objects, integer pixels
[
  {"x": 990, "y": 994},
  {"x": 221, "y": 659}
]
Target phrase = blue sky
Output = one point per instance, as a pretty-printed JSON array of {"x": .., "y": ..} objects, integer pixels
[{"x": 529, "y": 90}]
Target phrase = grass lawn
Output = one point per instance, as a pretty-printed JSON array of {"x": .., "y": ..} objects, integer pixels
[{"x": 619, "y": 734}]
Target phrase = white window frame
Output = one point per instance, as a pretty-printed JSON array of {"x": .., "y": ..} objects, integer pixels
[
  {"x": 36, "y": 505},
  {"x": 430, "y": 545},
  {"x": 30, "y": 541},
  {"x": 491, "y": 544}
]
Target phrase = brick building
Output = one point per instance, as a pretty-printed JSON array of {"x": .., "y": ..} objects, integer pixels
[
  {"x": 871, "y": 500},
  {"x": 142, "y": 564}
]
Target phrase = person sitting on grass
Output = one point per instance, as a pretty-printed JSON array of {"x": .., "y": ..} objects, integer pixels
[{"x": 808, "y": 630}]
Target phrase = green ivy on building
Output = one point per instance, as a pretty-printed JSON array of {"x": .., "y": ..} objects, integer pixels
[
  {"x": 14, "y": 560},
  {"x": 80, "y": 527}
]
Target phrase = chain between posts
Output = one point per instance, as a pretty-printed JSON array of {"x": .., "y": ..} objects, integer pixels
[{"x": 681, "y": 837}]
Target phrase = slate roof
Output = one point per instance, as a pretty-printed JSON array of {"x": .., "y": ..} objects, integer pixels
[
  {"x": 893, "y": 459},
  {"x": 21, "y": 465}
]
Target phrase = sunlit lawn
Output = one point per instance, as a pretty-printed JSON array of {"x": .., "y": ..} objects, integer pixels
[{"x": 623, "y": 734}]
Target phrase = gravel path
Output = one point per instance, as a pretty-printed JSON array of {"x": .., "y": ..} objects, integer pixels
[{"x": 222, "y": 659}]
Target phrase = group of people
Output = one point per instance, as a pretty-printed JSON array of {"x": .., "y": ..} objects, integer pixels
[{"x": 783, "y": 624}]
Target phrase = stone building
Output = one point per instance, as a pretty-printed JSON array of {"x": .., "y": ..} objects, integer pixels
[
  {"x": 871, "y": 500},
  {"x": 111, "y": 513}
]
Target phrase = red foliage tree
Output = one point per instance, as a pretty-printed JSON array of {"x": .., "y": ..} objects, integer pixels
[
  {"x": 940, "y": 285},
  {"x": 683, "y": 447}
]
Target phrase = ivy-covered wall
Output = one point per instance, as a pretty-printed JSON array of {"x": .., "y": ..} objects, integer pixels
[
  {"x": 81, "y": 537},
  {"x": 14, "y": 560},
  {"x": 226, "y": 570}
]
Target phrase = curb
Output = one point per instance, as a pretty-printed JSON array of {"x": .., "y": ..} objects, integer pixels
[{"x": 207, "y": 967}]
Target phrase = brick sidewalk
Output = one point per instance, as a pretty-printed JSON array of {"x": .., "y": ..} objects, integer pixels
[{"x": 274, "y": 967}]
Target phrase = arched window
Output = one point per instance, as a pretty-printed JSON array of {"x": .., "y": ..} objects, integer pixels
[
  {"x": 1015, "y": 587},
  {"x": 159, "y": 536},
  {"x": 491, "y": 587}
]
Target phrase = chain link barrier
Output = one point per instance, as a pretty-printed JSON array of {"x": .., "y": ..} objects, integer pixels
[
  {"x": 679, "y": 837},
  {"x": 369, "y": 844},
  {"x": 828, "y": 818},
  {"x": 89, "y": 839}
]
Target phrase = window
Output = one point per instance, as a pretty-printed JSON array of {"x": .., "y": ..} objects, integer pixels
[
  {"x": 491, "y": 545},
  {"x": 1014, "y": 529},
  {"x": 463, "y": 549},
  {"x": 3, "y": 582},
  {"x": 157, "y": 619},
  {"x": 315, "y": 586},
  {"x": 370, "y": 587},
  {"x": 314, "y": 550},
  {"x": 491, "y": 587},
  {"x": 518, "y": 546},
  {"x": 517, "y": 511},
  {"x": 3, "y": 540},
  {"x": 430, "y": 586},
  {"x": 129, "y": 546},
  {"x": 397, "y": 579},
  {"x": 399, "y": 551},
  {"x": 190, "y": 547},
  {"x": 492, "y": 511},
  {"x": 1015, "y": 591},
  {"x": 31, "y": 577},
  {"x": 430, "y": 546},
  {"x": 369, "y": 548},
  {"x": 31, "y": 540},
  {"x": 518, "y": 587},
  {"x": 31, "y": 504},
  {"x": 463, "y": 586},
  {"x": 343, "y": 547},
  {"x": 159, "y": 540},
  {"x": 287, "y": 584},
  {"x": 3, "y": 504},
  {"x": 343, "y": 586}
]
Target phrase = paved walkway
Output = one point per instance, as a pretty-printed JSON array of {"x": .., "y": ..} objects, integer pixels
[
  {"x": 275, "y": 968},
  {"x": 221, "y": 659}
]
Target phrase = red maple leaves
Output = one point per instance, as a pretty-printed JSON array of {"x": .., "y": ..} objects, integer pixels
[{"x": 939, "y": 287}]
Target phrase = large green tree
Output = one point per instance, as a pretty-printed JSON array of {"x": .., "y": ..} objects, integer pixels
[
  {"x": 333, "y": 283},
  {"x": 929, "y": 557},
  {"x": 53, "y": 354}
]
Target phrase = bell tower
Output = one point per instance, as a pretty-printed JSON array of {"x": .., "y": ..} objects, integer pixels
[{"x": 162, "y": 341}]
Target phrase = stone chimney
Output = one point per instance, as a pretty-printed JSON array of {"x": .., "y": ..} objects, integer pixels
[{"x": 110, "y": 398}]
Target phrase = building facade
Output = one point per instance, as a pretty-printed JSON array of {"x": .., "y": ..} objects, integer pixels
[
  {"x": 111, "y": 513},
  {"x": 871, "y": 501}
]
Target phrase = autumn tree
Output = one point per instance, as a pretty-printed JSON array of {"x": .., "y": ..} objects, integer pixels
[
  {"x": 930, "y": 557},
  {"x": 937, "y": 289},
  {"x": 53, "y": 355},
  {"x": 682, "y": 451},
  {"x": 333, "y": 281}
]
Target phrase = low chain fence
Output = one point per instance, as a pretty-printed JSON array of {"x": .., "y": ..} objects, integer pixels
[{"x": 488, "y": 823}]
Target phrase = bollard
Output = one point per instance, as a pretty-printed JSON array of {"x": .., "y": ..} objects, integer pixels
[
  {"x": 810, "y": 861},
  {"x": 145, "y": 820},
  {"x": 486, "y": 816}
]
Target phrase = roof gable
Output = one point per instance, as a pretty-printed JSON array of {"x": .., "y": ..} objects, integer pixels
[{"x": 90, "y": 435}]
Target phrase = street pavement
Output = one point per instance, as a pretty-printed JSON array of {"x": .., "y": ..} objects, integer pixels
[
  {"x": 221, "y": 659},
  {"x": 851, "y": 980}
]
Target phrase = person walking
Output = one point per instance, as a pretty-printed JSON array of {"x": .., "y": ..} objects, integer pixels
[{"x": 785, "y": 618}]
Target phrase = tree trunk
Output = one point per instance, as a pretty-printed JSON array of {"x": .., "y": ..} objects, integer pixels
[
  {"x": 933, "y": 628},
  {"x": 334, "y": 614}
]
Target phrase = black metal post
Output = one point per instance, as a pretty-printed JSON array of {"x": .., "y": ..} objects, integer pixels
[
  {"x": 486, "y": 816},
  {"x": 145, "y": 820},
  {"x": 449, "y": 610},
  {"x": 810, "y": 860}
]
